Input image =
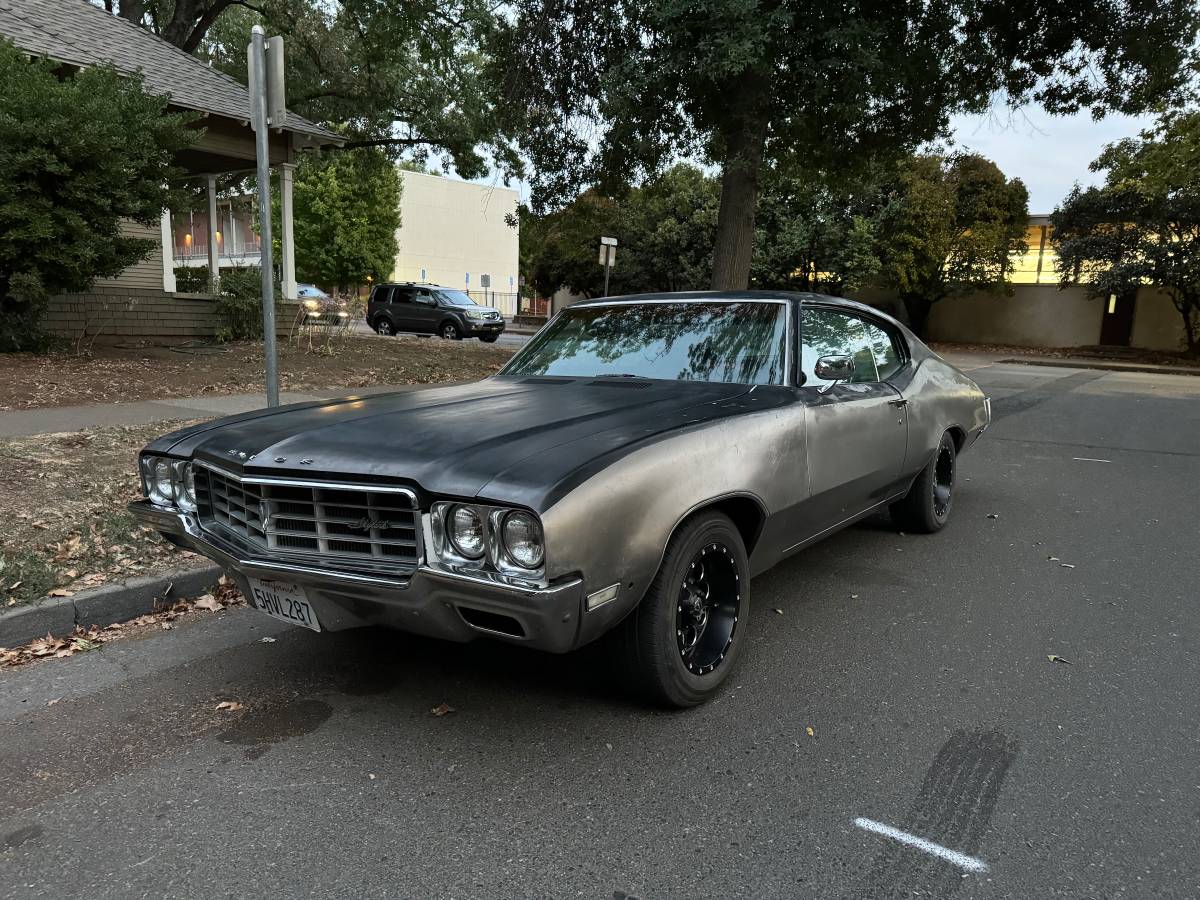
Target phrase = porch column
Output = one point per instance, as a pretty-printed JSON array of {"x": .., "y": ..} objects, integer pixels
[
  {"x": 287, "y": 233},
  {"x": 214, "y": 252},
  {"x": 168, "y": 252}
]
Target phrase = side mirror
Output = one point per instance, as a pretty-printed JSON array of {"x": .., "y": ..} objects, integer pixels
[{"x": 833, "y": 369}]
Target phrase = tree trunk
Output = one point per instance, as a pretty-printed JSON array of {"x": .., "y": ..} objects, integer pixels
[{"x": 744, "y": 136}]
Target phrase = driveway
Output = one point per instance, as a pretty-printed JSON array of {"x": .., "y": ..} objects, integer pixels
[{"x": 892, "y": 682}]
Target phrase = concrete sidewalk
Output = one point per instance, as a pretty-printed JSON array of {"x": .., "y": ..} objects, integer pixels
[{"x": 53, "y": 419}]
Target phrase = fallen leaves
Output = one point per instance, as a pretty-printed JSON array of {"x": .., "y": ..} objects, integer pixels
[
  {"x": 441, "y": 709},
  {"x": 810, "y": 731},
  {"x": 229, "y": 706},
  {"x": 1055, "y": 658},
  {"x": 83, "y": 640}
]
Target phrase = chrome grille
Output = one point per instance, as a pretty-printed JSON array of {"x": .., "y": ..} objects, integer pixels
[{"x": 348, "y": 527}]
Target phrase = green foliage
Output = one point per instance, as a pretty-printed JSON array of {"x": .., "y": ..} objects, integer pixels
[
  {"x": 77, "y": 156},
  {"x": 613, "y": 90},
  {"x": 1142, "y": 226},
  {"x": 407, "y": 76},
  {"x": 239, "y": 304},
  {"x": 812, "y": 238},
  {"x": 346, "y": 212},
  {"x": 664, "y": 231},
  {"x": 192, "y": 280},
  {"x": 947, "y": 225}
]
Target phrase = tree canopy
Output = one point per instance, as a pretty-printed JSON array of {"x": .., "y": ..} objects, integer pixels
[
  {"x": 346, "y": 212},
  {"x": 664, "y": 228},
  {"x": 407, "y": 76},
  {"x": 948, "y": 225},
  {"x": 614, "y": 90},
  {"x": 78, "y": 156},
  {"x": 1142, "y": 226}
]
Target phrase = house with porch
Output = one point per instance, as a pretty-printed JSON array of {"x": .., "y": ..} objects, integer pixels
[{"x": 144, "y": 300}]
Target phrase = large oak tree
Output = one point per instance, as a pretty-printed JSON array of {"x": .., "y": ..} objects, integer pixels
[{"x": 614, "y": 89}]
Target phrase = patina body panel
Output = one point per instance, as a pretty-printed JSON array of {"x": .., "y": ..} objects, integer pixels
[{"x": 610, "y": 466}]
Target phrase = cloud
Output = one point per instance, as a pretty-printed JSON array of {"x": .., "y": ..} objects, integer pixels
[{"x": 1049, "y": 153}]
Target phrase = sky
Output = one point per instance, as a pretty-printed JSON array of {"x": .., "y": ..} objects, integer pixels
[{"x": 1048, "y": 153}]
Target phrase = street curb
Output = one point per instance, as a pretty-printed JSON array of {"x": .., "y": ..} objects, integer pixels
[
  {"x": 102, "y": 605},
  {"x": 1108, "y": 367}
]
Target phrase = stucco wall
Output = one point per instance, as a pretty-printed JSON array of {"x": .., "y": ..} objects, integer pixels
[
  {"x": 449, "y": 228},
  {"x": 1157, "y": 324},
  {"x": 1036, "y": 315}
]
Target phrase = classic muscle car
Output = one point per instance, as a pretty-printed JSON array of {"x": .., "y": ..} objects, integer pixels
[{"x": 630, "y": 470}]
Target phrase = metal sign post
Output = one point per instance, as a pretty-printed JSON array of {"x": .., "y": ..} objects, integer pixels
[
  {"x": 608, "y": 258},
  {"x": 266, "y": 82}
]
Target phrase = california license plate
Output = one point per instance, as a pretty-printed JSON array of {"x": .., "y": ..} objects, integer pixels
[{"x": 285, "y": 601}]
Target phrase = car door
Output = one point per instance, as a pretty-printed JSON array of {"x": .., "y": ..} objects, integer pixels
[
  {"x": 426, "y": 314},
  {"x": 402, "y": 308},
  {"x": 857, "y": 429}
]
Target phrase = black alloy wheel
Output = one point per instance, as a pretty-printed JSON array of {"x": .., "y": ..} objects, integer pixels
[
  {"x": 926, "y": 507},
  {"x": 707, "y": 613},
  {"x": 683, "y": 640}
]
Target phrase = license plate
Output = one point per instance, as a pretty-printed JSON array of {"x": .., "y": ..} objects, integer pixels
[{"x": 284, "y": 601}]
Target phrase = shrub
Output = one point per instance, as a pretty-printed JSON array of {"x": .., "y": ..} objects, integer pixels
[
  {"x": 192, "y": 280},
  {"x": 239, "y": 304}
]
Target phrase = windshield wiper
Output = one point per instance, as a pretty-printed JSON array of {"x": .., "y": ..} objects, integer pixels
[{"x": 619, "y": 375}]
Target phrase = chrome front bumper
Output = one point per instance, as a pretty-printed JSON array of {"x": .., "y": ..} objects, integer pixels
[{"x": 427, "y": 601}]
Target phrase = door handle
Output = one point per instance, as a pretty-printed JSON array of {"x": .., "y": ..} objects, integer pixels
[{"x": 898, "y": 403}]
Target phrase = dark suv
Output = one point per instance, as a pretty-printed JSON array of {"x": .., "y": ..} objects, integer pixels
[{"x": 430, "y": 309}]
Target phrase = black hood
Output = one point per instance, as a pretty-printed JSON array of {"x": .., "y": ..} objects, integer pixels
[{"x": 455, "y": 440}]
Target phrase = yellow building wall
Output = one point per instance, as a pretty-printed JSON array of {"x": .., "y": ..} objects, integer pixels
[{"x": 453, "y": 232}]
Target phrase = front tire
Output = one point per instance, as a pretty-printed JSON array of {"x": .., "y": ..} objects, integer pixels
[
  {"x": 384, "y": 327},
  {"x": 685, "y": 637},
  {"x": 926, "y": 507},
  {"x": 450, "y": 331}
]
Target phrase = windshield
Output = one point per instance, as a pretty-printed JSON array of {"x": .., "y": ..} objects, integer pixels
[
  {"x": 741, "y": 342},
  {"x": 458, "y": 298}
]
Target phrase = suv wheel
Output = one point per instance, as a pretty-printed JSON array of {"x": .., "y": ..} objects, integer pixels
[
  {"x": 450, "y": 331},
  {"x": 384, "y": 326}
]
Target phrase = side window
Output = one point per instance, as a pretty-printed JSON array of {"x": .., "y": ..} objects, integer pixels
[
  {"x": 888, "y": 358},
  {"x": 383, "y": 294},
  {"x": 402, "y": 294},
  {"x": 426, "y": 297},
  {"x": 825, "y": 332}
]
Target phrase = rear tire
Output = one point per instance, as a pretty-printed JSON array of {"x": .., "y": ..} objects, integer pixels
[
  {"x": 684, "y": 639},
  {"x": 450, "y": 331},
  {"x": 926, "y": 507}
]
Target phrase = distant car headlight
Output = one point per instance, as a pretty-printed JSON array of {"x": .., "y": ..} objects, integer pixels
[
  {"x": 522, "y": 537},
  {"x": 464, "y": 528}
]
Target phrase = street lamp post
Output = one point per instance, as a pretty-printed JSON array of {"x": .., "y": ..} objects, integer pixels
[{"x": 608, "y": 258}]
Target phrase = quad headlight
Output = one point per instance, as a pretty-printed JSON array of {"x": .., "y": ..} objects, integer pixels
[
  {"x": 521, "y": 537},
  {"x": 496, "y": 538},
  {"x": 465, "y": 530},
  {"x": 169, "y": 482}
]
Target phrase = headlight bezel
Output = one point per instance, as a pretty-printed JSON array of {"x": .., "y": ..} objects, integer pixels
[
  {"x": 496, "y": 559},
  {"x": 539, "y": 539},
  {"x": 453, "y": 531},
  {"x": 168, "y": 482}
]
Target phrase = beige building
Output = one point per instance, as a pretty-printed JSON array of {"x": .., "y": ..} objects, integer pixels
[{"x": 454, "y": 233}]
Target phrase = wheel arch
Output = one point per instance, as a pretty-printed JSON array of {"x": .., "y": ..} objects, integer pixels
[
  {"x": 745, "y": 510},
  {"x": 957, "y": 434}
]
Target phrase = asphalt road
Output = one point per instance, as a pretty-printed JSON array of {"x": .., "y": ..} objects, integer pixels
[
  {"x": 919, "y": 663},
  {"x": 511, "y": 339}
]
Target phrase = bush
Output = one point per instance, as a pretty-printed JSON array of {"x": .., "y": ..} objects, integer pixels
[
  {"x": 78, "y": 156},
  {"x": 239, "y": 304},
  {"x": 192, "y": 280}
]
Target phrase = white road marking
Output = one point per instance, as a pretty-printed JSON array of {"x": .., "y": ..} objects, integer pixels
[
  {"x": 962, "y": 860},
  {"x": 1089, "y": 459}
]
